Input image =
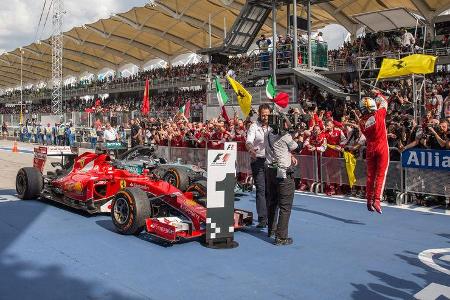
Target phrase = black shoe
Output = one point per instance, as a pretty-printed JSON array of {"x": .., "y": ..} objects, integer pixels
[
  {"x": 283, "y": 242},
  {"x": 262, "y": 224}
]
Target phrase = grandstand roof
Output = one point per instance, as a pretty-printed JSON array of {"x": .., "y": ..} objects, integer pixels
[{"x": 170, "y": 28}]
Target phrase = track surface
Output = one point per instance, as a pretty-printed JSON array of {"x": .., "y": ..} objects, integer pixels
[{"x": 340, "y": 251}]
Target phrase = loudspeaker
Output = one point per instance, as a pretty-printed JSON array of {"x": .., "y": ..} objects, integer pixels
[
  {"x": 302, "y": 24},
  {"x": 219, "y": 59}
]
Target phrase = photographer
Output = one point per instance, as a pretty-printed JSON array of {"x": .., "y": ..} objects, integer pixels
[
  {"x": 136, "y": 133},
  {"x": 438, "y": 135},
  {"x": 431, "y": 136},
  {"x": 255, "y": 144},
  {"x": 280, "y": 178}
]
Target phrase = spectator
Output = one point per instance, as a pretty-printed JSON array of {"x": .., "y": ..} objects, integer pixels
[
  {"x": 408, "y": 41},
  {"x": 110, "y": 134},
  {"x": 93, "y": 136},
  {"x": 263, "y": 45}
]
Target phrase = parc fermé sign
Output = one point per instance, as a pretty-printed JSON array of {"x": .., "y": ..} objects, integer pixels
[{"x": 426, "y": 159}]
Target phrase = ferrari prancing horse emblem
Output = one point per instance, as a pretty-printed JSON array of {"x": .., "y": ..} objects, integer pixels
[{"x": 123, "y": 184}]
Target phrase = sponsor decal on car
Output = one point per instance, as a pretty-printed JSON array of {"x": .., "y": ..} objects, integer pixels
[{"x": 75, "y": 187}]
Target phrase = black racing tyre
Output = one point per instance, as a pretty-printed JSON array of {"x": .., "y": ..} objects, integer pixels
[
  {"x": 129, "y": 209},
  {"x": 178, "y": 178},
  {"x": 29, "y": 183},
  {"x": 199, "y": 187}
]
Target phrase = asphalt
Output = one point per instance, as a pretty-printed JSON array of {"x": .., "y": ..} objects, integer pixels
[{"x": 340, "y": 251}]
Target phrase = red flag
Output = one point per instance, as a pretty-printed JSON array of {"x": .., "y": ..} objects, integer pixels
[
  {"x": 282, "y": 100},
  {"x": 187, "y": 109},
  {"x": 146, "y": 100},
  {"x": 224, "y": 114}
]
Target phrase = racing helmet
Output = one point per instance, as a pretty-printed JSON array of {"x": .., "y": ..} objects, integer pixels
[{"x": 367, "y": 104}]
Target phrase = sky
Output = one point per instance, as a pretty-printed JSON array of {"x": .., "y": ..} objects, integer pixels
[{"x": 19, "y": 19}]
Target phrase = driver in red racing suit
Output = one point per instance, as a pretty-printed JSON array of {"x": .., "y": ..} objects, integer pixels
[{"x": 373, "y": 126}]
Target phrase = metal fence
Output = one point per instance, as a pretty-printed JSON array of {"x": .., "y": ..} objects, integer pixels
[
  {"x": 427, "y": 182},
  {"x": 320, "y": 171}
]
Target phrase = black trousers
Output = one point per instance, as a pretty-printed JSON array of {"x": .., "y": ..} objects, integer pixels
[
  {"x": 280, "y": 194},
  {"x": 259, "y": 177}
]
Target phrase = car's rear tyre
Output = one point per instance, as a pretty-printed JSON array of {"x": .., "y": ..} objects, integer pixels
[
  {"x": 178, "y": 178},
  {"x": 129, "y": 209},
  {"x": 29, "y": 183}
]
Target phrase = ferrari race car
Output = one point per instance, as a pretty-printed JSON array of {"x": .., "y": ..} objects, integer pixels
[{"x": 93, "y": 183}]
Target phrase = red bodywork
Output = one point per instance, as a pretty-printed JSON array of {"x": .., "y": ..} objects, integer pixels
[{"x": 92, "y": 183}]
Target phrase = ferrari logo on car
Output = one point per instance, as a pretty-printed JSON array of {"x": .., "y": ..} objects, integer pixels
[
  {"x": 82, "y": 161},
  {"x": 123, "y": 184}
]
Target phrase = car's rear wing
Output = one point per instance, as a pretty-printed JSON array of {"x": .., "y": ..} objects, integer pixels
[{"x": 42, "y": 152}]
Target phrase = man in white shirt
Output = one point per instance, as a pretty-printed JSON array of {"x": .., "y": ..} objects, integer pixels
[
  {"x": 319, "y": 37},
  {"x": 110, "y": 134},
  {"x": 408, "y": 40},
  {"x": 255, "y": 144}
]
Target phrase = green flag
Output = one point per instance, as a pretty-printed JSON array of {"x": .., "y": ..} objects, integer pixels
[
  {"x": 222, "y": 97},
  {"x": 271, "y": 92}
]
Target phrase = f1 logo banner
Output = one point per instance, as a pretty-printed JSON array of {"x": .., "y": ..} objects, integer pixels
[
  {"x": 231, "y": 146},
  {"x": 220, "y": 190},
  {"x": 426, "y": 159}
]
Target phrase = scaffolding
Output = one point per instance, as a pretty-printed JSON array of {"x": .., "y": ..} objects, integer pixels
[
  {"x": 57, "y": 57},
  {"x": 368, "y": 68}
]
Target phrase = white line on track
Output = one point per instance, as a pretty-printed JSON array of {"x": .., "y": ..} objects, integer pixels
[
  {"x": 8, "y": 198},
  {"x": 410, "y": 207}
]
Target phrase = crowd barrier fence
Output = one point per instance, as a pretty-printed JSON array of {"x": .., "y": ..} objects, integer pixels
[{"x": 320, "y": 171}]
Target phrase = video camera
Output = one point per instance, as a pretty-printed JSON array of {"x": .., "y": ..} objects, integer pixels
[{"x": 282, "y": 123}]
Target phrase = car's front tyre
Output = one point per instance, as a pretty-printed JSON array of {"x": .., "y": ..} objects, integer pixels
[{"x": 129, "y": 209}]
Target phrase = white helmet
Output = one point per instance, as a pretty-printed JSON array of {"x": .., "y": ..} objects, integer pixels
[{"x": 367, "y": 104}]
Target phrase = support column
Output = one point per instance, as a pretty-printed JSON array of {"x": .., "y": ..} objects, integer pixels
[
  {"x": 274, "y": 41},
  {"x": 210, "y": 29},
  {"x": 295, "y": 36},
  {"x": 414, "y": 97},
  {"x": 309, "y": 35},
  {"x": 288, "y": 21}
]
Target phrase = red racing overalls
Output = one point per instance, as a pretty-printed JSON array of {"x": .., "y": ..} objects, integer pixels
[{"x": 373, "y": 126}]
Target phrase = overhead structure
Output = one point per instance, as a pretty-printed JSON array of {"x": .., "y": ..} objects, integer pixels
[
  {"x": 168, "y": 28},
  {"x": 390, "y": 19},
  {"x": 57, "y": 57}
]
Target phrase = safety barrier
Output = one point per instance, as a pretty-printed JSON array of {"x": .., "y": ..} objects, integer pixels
[
  {"x": 427, "y": 182},
  {"x": 318, "y": 172},
  {"x": 262, "y": 60}
]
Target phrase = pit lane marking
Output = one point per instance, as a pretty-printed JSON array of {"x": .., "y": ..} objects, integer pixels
[
  {"x": 427, "y": 258},
  {"x": 411, "y": 207},
  {"x": 8, "y": 198}
]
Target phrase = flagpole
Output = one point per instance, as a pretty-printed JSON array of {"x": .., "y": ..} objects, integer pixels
[
  {"x": 274, "y": 51},
  {"x": 21, "y": 86}
]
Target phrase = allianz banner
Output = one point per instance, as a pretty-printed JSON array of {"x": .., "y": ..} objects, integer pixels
[{"x": 426, "y": 159}]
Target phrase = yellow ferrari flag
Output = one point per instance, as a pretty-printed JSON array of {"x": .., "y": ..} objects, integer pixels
[
  {"x": 350, "y": 165},
  {"x": 412, "y": 64},
  {"x": 243, "y": 96}
]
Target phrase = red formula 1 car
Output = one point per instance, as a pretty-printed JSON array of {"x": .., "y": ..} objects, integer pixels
[{"x": 93, "y": 183}]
